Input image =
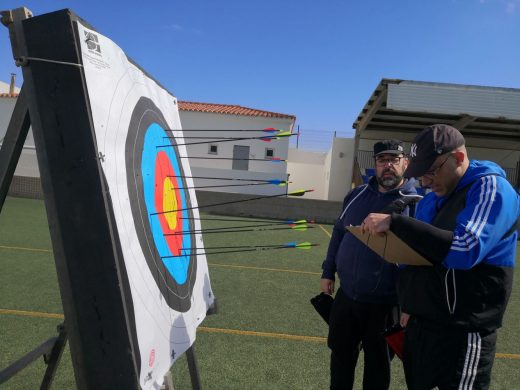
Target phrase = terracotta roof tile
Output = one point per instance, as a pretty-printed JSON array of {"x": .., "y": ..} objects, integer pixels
[{"x": 229, "y": 109}]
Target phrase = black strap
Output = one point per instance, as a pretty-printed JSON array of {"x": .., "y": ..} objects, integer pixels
[{"x": 398, "y": 205}]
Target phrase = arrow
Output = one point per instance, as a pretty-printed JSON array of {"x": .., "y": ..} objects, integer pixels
[
  {"x": 266, "y": 138},
  {"x": 279, "y": 183},
  {"x": 238, "y": 229},
  {"x": 266, "y": 130},
  {"x": 294, "y": 193},
  {"x": 278, "y": 136},
  {"x": 287, "y": 222},
  {"x": 225, "y": 178},
  {"x": 235, "y": 249},
  {"x": 272, "y": 159}
]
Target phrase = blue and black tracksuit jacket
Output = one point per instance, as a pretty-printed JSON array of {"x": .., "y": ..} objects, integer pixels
[{"x": 470, "y": 238}]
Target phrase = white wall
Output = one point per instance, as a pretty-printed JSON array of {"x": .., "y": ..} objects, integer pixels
[
  {"x": 307, "y": 171},
  {"x": 4, "y": 87},
  {"x": 260, "y": 189},
  {"x": 209, "y": 121},
  {"x": 28, "y": 164},
  {"x": 213, "y": 167},
  {"x": 341, "y": 157},
  {"x": 329, "y": 174},
  {"x": 6, "y": 110}
]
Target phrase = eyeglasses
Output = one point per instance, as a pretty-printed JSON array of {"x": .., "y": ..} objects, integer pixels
[
  {"x": 381, "y": 162},
  {"x": 434, "y": 172}
]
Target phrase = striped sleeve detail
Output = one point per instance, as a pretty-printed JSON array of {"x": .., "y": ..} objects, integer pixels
[
  {"x": 470, "y": 370},
  {"x": 488, "y": 189}
]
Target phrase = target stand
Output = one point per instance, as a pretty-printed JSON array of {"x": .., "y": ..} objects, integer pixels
[{"x": 132, "y": 296}]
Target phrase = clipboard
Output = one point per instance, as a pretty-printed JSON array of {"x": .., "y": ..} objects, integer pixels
[{"x": 389, "y": 247}]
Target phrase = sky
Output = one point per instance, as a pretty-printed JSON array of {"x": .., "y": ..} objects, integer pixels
[{"x": 317, "y": 60}]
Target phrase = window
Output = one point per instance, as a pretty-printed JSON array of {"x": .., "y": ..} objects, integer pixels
[
  {"x": 269, "y": 153},
  {"x": 213, "y": 149}
]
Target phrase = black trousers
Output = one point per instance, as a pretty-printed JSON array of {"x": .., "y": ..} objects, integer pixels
[
  {"x": 354, "y": 324},
  {"x": 447, "y": 358}
]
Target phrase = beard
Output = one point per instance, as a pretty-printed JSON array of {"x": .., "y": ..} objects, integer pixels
[{"x": 389, "y": 182}]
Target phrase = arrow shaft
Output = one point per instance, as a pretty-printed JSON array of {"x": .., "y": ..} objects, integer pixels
[
  {"x": 230, "y": 230},
  {"x": 269, "y": 137},
  {"x": 231, "y": 158},
  {"x": 218, "y": 178},
  {"x": 245, "y": 221},
  {"x": 237, "y": 247},
  {"x": 225, "y": 203},
  {"x": 210, "y": 138},
  {"x": 227, "y": 130},
  {"x": 233, "y": 251},
  {"x": 223, "y": 186}
]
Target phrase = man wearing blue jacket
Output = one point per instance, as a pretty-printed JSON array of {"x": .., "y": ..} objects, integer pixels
[
  {"x": 367, "y": 296},
  {"x": 466, "y": 228}
]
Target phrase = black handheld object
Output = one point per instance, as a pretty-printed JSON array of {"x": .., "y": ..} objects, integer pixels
[
  {"x": 323, "y": 305},
  {"x": 397, "y": 206}
]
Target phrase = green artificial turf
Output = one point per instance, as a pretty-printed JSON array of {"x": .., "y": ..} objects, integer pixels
[{"x": 263, "y": 300}]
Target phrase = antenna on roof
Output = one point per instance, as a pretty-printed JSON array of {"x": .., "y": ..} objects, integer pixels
[{"x": 12, "y": 84}]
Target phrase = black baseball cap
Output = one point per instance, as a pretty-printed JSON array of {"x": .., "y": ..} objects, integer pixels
[
  {"x": 388, "y": 146},
  {"x": 429, "y": 144}
]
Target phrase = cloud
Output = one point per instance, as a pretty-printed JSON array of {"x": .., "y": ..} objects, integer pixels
[
  {"x": 511, "y": 7},
  {"x": 173, "y": 27},
  {"x": 178, "y": 28}
]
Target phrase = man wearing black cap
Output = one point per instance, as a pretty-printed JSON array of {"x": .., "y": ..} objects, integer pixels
[
  {"x": 466, "y": 228},
  {"x": 367, "y": 296}
]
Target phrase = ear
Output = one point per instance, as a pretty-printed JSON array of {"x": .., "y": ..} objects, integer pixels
[{"x": 459, "y": 156}]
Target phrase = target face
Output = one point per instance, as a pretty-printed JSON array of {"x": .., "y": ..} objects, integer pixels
[
  {"x": 156, "y": 183},
  {"x": 152, "y": 202}
]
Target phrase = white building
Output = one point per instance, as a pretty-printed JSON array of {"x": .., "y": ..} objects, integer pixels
[
  {"x": 232, "y": 159},
  {"x": 237, "y": 158},
  {"x": 328, "y": 174}
]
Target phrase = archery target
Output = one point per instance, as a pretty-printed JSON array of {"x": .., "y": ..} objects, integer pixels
[
  {"x": 153, "y": 205},
  {"x": 157, "y": 182}
]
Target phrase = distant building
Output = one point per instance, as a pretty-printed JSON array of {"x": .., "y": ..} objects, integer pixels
[
  {"x": 236, "y": 158},
  {"x": 329, "y": 174},
  {"x": 230, "y": 159}
]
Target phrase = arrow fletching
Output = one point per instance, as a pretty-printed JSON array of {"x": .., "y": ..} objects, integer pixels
[
  {"x": 299, "y": 192},
  {"x": 305, "y": 245},
  {"x": 280, "y": 183}
]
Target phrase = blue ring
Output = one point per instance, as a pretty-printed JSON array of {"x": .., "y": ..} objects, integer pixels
[{"x": 176, "y": 266}]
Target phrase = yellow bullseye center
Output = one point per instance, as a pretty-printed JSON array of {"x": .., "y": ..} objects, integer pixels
[{"x": 169, "y": 203}]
